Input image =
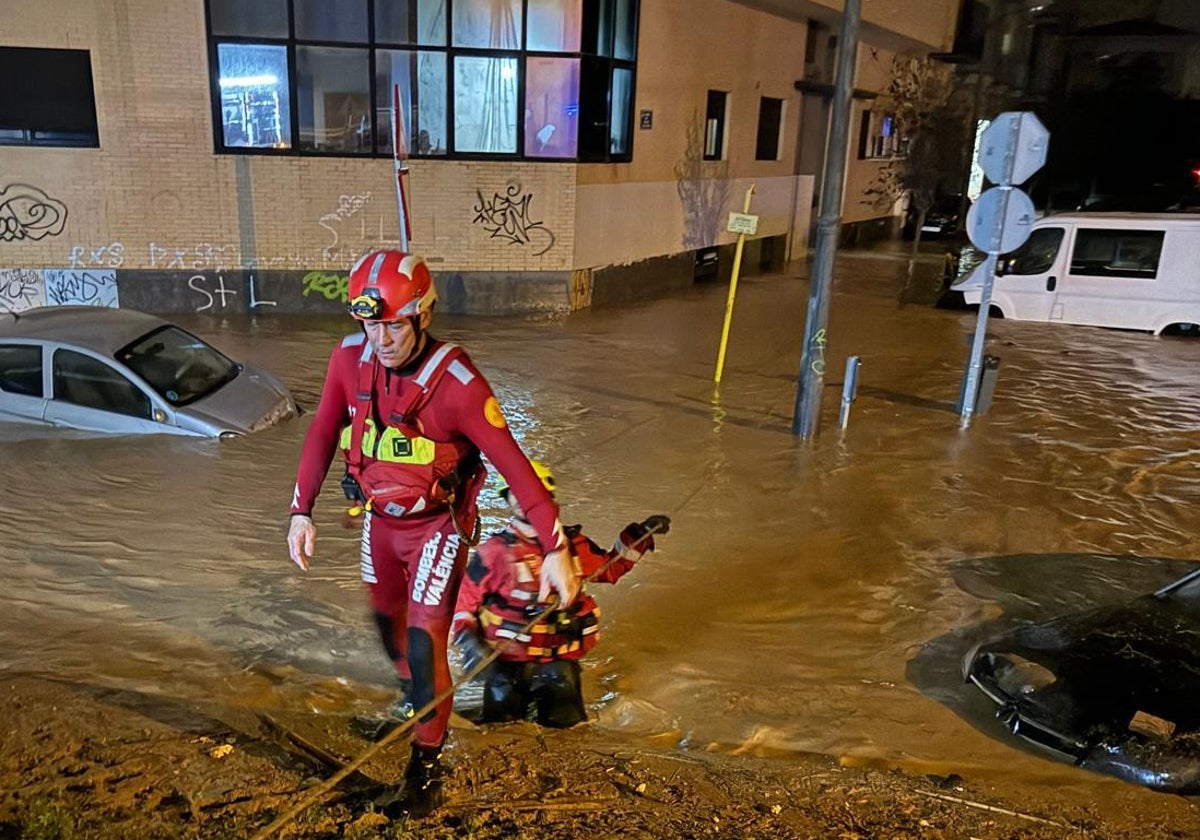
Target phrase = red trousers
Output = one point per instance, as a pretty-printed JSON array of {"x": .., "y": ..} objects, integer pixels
[{"x": 412, "y": 567}]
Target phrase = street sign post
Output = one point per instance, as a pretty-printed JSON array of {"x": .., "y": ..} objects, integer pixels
[
  {"x": 1011, "y": 149},
  {"x": 742, "y": 224}
]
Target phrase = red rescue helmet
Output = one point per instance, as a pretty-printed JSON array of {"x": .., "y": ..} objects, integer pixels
[{"x": 390, "y": 285}]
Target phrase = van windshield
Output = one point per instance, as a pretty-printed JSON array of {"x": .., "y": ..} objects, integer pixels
[{"x": 1037, "y": 255}]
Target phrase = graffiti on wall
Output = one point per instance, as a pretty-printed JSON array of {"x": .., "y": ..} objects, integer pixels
[
  {"x": 203, "y": 256},
  {"x": 327, "y": 285},
  {"x": 111, "y": 255},
  {"x": 28, "y": 213},
  {"x": 20, "y": 289},
  {"x": 66, "y": 287},
  {"x": 347, "y": 207},
  {"x": 704, "y": 191},
  {"x": 508, "y": 217},
  {"x": 213, "y": 294}
]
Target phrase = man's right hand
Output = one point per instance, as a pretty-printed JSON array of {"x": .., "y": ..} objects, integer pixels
[
  {"x": 302, "y": 536},
  {"x": 558, "y": 575}
]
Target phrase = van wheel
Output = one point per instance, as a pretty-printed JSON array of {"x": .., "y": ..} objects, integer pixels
[
  {"x": 995, "y": 312},
  {"x": 1183, "y": 330}
]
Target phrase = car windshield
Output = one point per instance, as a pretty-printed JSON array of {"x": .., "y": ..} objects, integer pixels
[{"x": 176, "y": 364}]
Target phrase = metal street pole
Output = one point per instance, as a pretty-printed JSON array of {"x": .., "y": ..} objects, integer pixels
[{"x": 812, "y": 359}]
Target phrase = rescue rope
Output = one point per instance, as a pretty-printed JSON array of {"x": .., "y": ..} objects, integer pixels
[
  {"x": 318, "y": 791},
  {"x": 471, "y": 540}
]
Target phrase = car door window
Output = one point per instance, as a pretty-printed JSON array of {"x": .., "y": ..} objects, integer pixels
[
  {"x": 1117, "y": 253},
  {"x": 21, "y": 369},
  {"x": 84, "y": 381},
  {"x": 1037, "y": 255}
]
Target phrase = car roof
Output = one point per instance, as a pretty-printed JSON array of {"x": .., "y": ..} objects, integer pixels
[
  {"x": 96, "y": 328},
  {"x": 1134, "y": 219}
]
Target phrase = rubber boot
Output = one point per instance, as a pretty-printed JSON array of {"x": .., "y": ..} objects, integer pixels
[
  {"x": 422, "y": 793},
  {"x": 402, "y": 708}
]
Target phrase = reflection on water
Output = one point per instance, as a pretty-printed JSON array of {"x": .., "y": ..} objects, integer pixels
[{"x": 797, "y": 583}]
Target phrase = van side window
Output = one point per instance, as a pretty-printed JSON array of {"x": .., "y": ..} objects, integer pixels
[
  {"x": 1037, "y": 255},
  {"x": 21, "y": 369},
  {"x": 1117, "y": 253},
  {"x": 84, "y": 381}
]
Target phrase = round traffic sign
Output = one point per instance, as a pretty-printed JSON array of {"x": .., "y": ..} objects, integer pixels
[{"x": 1000, "y": 220}]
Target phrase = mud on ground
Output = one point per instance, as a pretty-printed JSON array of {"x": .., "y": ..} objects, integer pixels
[{"x": 86, "y": 762}]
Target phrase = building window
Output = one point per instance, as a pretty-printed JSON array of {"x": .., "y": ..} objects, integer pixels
[
  {"x": 770, "y": 122},
  {"x": 538, "y": 79},
  {"x": 48, "y": 98},
  {"x": 551, "y": 107},
  {"x": 880, "y": 136},
  {"x": 485, "y": 104},
  {"x": 714, "y": 125}
]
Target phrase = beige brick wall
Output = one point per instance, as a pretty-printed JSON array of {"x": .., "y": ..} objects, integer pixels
[{"x": 155, "y": 196}]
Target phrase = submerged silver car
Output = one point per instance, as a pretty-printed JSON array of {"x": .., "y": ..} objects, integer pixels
[{"x": 127, "y": 372}]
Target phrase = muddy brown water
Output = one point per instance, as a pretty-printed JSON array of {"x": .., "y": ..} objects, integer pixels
[{"x": 809, "y": 598}]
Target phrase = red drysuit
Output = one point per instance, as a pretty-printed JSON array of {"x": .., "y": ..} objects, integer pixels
[{"x": 412, "y": 564}]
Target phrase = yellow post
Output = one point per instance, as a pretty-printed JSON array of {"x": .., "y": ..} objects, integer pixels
[{"x": 737, "y": 266}]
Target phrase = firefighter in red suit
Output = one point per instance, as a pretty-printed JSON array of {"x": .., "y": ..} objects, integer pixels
[
  {"x": 411, "y": 415},
  {"x": 537, "y": 664}
]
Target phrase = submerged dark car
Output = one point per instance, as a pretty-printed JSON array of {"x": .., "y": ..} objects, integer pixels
[
  {"x": 940, "y": 220},
  {"x": 1112, "y": 690}
]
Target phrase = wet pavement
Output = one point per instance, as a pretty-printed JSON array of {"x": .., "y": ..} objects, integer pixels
[{"x": 809, "y": 598}]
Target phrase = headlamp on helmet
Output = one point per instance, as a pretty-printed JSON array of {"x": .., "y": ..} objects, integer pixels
[{"x": 368, "y": 306}]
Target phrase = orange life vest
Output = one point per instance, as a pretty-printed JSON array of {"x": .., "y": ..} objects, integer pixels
[{"x": 561, "y": 634}]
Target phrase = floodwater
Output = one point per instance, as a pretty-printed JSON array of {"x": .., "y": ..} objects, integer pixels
[{"x": 809, "y": 598}]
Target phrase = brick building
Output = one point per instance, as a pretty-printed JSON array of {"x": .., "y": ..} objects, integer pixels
[{"x": 225, "y": 154}]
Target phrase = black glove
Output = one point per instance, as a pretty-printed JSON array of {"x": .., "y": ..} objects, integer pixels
[
  {"x": 659, "y": 523},
  {"x": 473, "y": 649}
]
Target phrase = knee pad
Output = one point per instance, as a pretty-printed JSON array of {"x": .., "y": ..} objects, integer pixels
[{"x": 420, "y": 663}]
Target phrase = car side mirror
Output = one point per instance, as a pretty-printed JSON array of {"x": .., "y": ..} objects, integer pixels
[{"x": 160, "y": 416}]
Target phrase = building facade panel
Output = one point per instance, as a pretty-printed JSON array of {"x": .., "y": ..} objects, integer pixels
[{"x": 157, "y": 201}]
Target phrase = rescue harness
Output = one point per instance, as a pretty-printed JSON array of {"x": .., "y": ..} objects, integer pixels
[{"x": 397, "y": 470}]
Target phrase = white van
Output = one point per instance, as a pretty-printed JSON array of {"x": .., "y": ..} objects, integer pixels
[{"x": 1138, "y": 271}]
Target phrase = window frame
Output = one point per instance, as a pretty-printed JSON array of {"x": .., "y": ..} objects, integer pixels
[
  {"x": 876, "y": 144},
  {"x": 41, "y": 355},
  {"x": 136, "y": 387},
  {"x": 596, "y": 46},
  {"x": 1118, "y": 238},
  {"x": 89, "y": 135},
  {"x": 722, "y": 125}
]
